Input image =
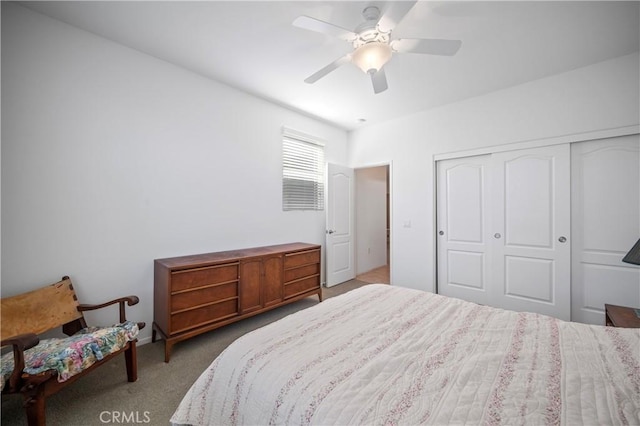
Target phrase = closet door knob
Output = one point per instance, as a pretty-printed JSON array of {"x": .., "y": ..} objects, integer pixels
[
  {"x": 497, "y": 235},
  {"x": 562, "y": 239},
  {"x": 441, "y": 232}
]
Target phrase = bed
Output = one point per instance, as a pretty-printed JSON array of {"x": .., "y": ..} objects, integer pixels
[{"x": 389, "y": 355}]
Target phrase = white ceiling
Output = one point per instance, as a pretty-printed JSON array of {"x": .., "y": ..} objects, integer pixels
[{"x": 253, "y": 46}]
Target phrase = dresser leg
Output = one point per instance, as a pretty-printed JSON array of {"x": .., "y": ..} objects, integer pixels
[{"x": 167, "y": 350}]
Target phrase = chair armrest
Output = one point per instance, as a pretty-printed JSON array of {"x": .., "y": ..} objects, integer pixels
[
  {"x": 130, "y": 300},
  {"x": 20, "y": 344}
]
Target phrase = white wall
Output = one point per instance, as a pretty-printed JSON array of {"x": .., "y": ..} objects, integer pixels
[
  {"x": 600, "y": 96},
  {"x": 371, "y": 218},
  {"x": 112, "y": 158}
]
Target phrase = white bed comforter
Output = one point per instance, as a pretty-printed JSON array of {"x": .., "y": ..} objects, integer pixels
[{"x": 388, "y": 355}]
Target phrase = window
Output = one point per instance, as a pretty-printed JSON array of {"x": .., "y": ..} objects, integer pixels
[{"x": 302, "y": 171}]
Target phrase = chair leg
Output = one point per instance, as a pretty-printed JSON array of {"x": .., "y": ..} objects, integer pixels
[
  {"x": 131, "y": 359},
  {"x": 34, "y": 405}
]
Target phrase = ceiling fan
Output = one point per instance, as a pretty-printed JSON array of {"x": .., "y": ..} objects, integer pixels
[{"x": 373, "y": 44}]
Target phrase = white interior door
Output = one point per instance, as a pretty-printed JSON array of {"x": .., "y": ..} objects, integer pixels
[
  {"x": 464, "y": 266},
  {"x": 531, "y": 230},
  {"x": 606, "y": 224},
  {"x": 340, "y": 224}
]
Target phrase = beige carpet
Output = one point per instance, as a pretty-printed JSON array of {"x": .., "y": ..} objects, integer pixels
[{"x": 105, "y": 396}]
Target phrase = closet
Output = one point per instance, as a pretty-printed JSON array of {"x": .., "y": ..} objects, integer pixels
[{"x": 541, "y": 229}]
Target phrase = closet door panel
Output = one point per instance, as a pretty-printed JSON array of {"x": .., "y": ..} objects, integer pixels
[
  {"x": 529, "y": 278},
  {"x": 528, "y": 201},
  {"x": 466, "y": 269},
  {"x": 465, "y": 210},
  {"x": 463, "y": 262},
  {"x": 616, "y": 285},
  {"x": 606, "y": 224},
  {"x": 609, "y": 184},
  {"x": 531, "y": 247}
]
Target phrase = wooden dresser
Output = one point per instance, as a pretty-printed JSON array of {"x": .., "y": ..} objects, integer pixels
[{"x": 198, "y": 293}]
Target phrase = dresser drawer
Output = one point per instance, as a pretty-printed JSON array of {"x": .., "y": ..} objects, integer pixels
[
  {"x": 297, "y": 287},
  {"x": 303, "y": 271},
  {"x": 199, "y": 277},
  {"x": 205, "y": 315},
  {"x": 190, "y": 298},
  {"x": 291, "y": 260}
]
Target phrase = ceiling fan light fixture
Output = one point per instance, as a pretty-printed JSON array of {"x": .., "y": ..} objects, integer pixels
[{"x": 371, "y": 57}]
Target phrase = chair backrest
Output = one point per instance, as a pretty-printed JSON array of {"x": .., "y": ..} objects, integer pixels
[{"x": 39, "y": 310}]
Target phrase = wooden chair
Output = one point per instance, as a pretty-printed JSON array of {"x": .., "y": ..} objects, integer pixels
[{"x": 27, "y": 315}]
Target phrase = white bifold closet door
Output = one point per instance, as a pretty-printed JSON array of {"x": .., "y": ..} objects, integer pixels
[
  {"x": 464, "y": 228},
  {"x": 606, "y": 224},
  {"x": 503, "y": 229}
]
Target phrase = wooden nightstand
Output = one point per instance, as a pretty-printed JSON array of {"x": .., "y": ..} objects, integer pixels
[{"x": 621, "y": 316}]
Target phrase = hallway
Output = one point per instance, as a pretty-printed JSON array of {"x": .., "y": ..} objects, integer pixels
[{"x": 378, "y": 275}]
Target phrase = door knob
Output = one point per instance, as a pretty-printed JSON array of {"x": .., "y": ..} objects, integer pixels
[
  {"x": 330, "y": 231},
  {"x": 562, "y": 239},
  {"x": 497, "y": 235},
  {"x": 441, "y": 233}
]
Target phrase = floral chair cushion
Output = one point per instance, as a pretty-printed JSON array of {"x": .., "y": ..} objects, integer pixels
[{"x": 71, "y": 355}]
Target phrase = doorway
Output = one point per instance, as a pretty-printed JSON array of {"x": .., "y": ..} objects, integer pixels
[{"x": 373, "y": 219}]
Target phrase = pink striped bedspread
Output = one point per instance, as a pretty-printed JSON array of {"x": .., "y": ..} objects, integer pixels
[{"x": 388, "y": 355}]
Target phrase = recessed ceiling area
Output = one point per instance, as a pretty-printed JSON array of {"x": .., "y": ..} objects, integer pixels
[{"x": 253, "y": 46}]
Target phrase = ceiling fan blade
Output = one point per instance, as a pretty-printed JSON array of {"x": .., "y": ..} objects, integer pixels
[
  {"x": 379, "y": 80},
  {"x": 395, "y": 11},
  {"x": 313, "y": 24},
  {"x": 431, "y": 46},
  {"x": 326, "y": 70}
]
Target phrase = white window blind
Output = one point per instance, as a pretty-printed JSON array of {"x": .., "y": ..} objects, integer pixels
[{"x": 302, "y": 171}]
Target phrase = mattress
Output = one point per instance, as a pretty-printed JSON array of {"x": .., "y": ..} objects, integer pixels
[{"x": 389, "y": 355}]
